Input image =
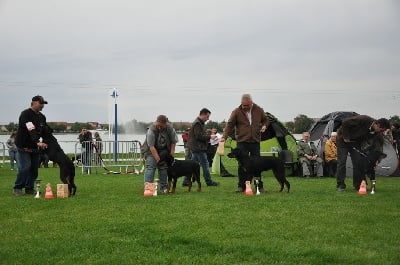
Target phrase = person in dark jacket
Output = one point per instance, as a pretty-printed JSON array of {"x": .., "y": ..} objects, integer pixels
[
  {"x": 86, "y": 140},
  {"x": 249, "y": 121},
  {"x": 198, "y": 143},
  {"x": 355, "y": 135},
  {"x": 28, "y": 143},
  {"x": 34, "y": 135}
]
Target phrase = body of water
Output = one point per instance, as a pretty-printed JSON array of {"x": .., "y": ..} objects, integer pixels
[{"x": 68, "y": 141}]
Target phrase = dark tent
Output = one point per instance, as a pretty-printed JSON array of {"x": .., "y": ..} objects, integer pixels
[
  {"x": 328, "y": 123},
  {"x": 321, "y": 130}
]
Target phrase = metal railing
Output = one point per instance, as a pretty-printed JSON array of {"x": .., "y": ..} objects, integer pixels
[
  {"x": 3, "y": 154},
  {"x": 95, "y": 155}
]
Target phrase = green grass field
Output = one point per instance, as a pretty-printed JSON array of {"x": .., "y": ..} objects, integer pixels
[{"x": 110, "y": 222}]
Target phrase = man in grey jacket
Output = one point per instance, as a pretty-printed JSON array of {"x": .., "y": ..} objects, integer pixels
[
  {"x": 308, "y": 157},
  {"x": 160, "y": 137}
]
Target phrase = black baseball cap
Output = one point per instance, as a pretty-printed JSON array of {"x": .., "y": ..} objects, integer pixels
[{"x": 40, "y": 99}]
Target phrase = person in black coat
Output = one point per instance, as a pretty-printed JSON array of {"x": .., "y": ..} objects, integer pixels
[{"x": 356, "y": 134}]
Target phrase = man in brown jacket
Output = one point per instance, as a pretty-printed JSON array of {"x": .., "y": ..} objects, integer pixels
[{"x": 249, "y": 121}]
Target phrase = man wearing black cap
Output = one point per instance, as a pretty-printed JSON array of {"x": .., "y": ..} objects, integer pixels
[
  {"x": 34, "y": 134},
  {"x": 28, "y": 143}
]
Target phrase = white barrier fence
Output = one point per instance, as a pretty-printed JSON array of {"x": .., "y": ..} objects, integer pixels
[
  {"x": 99, "y": 155},
  {"x": 2, "y": 154},
  {"x": 124, "y": 157}
]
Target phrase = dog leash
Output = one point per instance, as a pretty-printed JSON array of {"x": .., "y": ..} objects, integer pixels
[{"x": 360, "y": 152}]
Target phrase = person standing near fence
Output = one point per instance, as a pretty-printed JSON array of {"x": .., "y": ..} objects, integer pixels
[
  {"x": 12, "y": 149},
  {"x": 28, "y": 143},
  {"x": 160, "y": 138},
  {"x": 85, "y": 138},
  {"x": 98, "y": 146}
]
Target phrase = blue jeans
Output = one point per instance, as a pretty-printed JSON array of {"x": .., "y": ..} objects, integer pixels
[
  {"x": 254, "y": 150},
  {"x": 151, "y": 166},
  {"x": 201, "y": 158},
  {"x": 28, "y": 164},
  {"x": 13, "y": 156}
]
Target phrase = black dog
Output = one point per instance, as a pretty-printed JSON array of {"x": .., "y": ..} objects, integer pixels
[
  {"x": 253, "y": 166},
  {"x": 67, "y": 168},
  {"x": 369, "y": 159},
  {"x": 179, "y": 168}
]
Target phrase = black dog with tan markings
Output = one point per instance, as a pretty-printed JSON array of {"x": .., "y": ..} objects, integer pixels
[
  {"x": 253, "y": 166},
  {"x": 179, "y": 168}
]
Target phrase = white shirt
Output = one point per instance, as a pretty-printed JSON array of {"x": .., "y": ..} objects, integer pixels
[{"x": 216, "y": 140}]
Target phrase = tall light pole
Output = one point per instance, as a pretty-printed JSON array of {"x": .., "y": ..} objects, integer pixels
[{"x": 115, "y": 95}]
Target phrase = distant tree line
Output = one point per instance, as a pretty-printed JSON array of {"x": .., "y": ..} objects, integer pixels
[{"x": 300, "y": 124}]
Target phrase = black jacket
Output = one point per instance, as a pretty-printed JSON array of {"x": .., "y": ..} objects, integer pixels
[
  {"x": 358, "y": 129},
  {"x": 31, "y": 127},
  {"x": 198, "y": 137}
]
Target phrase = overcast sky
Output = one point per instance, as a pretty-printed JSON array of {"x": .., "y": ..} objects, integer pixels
[{"x": 174, "y": 57}]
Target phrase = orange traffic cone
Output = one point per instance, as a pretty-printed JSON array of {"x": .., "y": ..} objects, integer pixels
[
  {"x": 148, "y": 189},
  {"x": 49, "y": 192},
  {"x": 363, "y": 188},
  {"x": 248, "y": 190}
]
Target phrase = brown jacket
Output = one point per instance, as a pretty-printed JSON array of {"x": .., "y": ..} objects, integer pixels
[{"x": 244, "y": 131}]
